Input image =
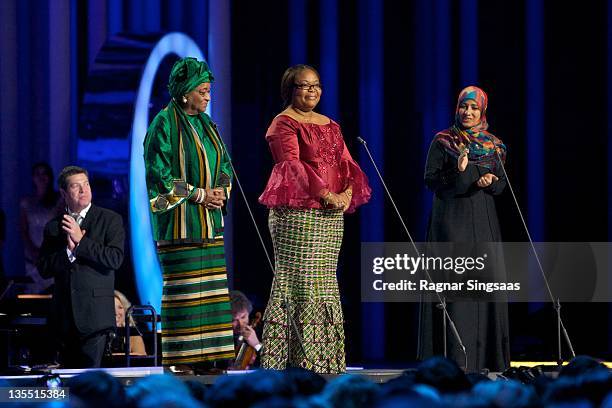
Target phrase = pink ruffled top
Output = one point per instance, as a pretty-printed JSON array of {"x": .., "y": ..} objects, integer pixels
[{"x": 310, "y": 158}]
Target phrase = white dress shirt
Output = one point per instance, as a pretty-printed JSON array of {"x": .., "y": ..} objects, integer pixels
[{"x": 80, "y": 219}]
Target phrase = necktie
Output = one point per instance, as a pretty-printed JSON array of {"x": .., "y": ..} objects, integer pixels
[{"x": 77, "y": 217}]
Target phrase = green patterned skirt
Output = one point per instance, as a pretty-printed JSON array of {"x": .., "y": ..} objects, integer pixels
[
  {"x": 306, "y": 247},
  {"x": 196, "y": 313}
]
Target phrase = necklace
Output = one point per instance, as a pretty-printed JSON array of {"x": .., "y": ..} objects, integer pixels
[{"x": 308, "y": 118}]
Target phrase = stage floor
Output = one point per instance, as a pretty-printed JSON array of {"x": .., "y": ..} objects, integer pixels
[{"x": 127, "y": 375}]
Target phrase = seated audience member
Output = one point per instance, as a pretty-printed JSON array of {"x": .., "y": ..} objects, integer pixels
[
  {"x": 249, "y": 389},
  {"x": 351, "y": 391},
  {"x": 304, "y": 382},
  {"x": 581, "y": 365},
  {"x": 591, "y": 387},
  {"x": 169, "y": 401},
  {"x": 96, "y": 389},
  {"x": 607, "y": 403},
  {"x": 505, "y": 393},
  {"x": 409, "y": 398},
  {"x": 154, "y": 386},
  {"x": 197, "y": 390},
  {"x": 443, "y": 374}
]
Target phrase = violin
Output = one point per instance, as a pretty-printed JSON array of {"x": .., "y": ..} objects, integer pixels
[{"x": 246, "y": 352}]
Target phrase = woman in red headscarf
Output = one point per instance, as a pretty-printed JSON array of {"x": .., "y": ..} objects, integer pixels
[{"x": 464, "y": 170}]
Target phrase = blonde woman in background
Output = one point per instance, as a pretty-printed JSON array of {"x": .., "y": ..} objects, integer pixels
[{"x": 122, "y": 304}]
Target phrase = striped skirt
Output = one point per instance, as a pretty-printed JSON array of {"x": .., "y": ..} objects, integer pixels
[
  {"x": 306, "y": 247},
  {"x": 196, "y": 313}
]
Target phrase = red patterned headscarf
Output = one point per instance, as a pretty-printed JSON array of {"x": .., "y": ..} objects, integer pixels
[{"x": 482, "y": 144}]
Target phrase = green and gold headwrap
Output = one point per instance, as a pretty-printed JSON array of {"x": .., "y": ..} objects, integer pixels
[{"x": 186, "y": 74}]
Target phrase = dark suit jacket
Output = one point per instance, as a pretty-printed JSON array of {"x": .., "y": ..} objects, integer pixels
[{"x": 84, "y": 288}]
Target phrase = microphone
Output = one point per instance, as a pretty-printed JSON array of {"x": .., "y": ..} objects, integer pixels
[
  {"x": 9, "y": 285},
  {"x": 442, "y": 301},
  {"x": 223, "y": 180},
  {"x": 556, "y": 302}
]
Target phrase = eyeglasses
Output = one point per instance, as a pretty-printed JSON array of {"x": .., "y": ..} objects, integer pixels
[{"x": 308, "y": 87}]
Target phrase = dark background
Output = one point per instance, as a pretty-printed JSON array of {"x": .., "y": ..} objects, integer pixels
[{"x": 391, "y": 73}]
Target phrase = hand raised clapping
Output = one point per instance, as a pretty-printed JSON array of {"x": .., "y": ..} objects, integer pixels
[
  {"x": 462, "y": 160},
  {"x": 73, "y": 231}
]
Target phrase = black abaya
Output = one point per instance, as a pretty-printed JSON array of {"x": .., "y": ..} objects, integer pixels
[{"x": 463, "y": 212}]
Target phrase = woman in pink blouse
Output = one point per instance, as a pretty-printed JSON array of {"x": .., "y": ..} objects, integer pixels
[{"x": 314, "y": 181}]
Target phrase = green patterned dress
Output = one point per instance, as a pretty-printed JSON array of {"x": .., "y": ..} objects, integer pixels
[{"x": 184, "y": 153}]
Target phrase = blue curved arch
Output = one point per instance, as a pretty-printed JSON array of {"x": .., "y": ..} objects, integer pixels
[{"x": 146, "y": 265}]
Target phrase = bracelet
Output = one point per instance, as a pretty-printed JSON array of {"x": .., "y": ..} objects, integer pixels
[
  {"x": 200, "y": 196},
  {"x": 327, "y": 197}
]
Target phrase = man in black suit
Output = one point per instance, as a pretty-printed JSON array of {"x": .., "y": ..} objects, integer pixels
[{"x": 81, "y": 250}]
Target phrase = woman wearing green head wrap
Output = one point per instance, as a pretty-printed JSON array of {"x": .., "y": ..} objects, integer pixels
[{"x": 188, "y": 181}]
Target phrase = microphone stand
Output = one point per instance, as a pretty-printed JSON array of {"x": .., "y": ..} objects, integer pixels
[
  {"x": 442, "y": 304},
  {"x": 290, "y": 320},
  {"x": 9, "y": 285},
  {"x": 555, "y": 302}
]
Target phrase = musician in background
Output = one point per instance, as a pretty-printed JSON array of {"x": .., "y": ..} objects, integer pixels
[{"x": 243, "y": 332}]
